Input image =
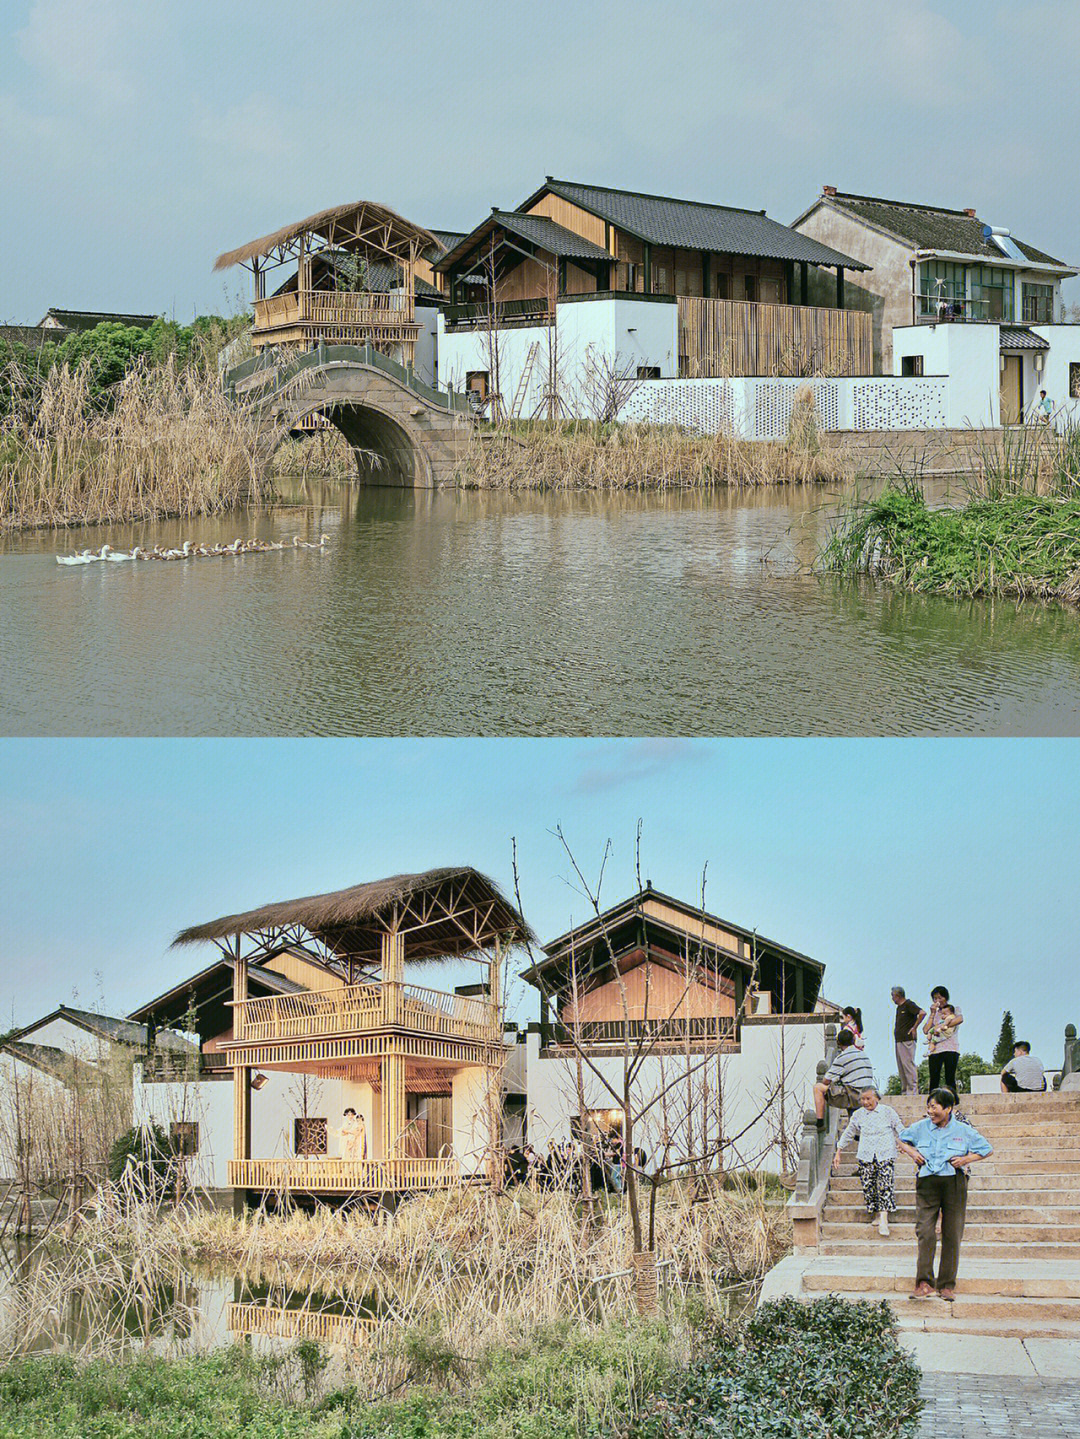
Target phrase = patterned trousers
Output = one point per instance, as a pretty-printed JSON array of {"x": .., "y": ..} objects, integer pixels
[{"x": 876, "y": 1178}]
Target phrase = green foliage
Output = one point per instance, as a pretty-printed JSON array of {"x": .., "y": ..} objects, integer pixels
[
  {"x": 143, "y": 1156},
  {"x": 796, "y": 1371},
  {"x": 110, "y": 349},
  {"x": 966, "y": 1066},
  {"x": 1003, "y": 1050},
  {"x": 1022, "y": 544}
]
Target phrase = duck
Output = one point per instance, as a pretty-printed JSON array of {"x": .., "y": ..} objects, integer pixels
[
  {"x": 117, "y": 555},
  {"x": 83, "y": 557}
]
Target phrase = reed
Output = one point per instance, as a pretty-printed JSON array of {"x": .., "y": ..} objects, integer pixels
[
  {"x": 459, "y": 1270},
  {"x": 584, "y": 455},
  {"x": 167, "y": 443}
]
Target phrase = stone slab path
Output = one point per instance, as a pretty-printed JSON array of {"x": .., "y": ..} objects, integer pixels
[{"x": 977, "y": 1406}]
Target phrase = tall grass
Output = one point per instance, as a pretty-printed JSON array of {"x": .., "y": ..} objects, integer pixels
[
  {"x": 1017, "y": 534},
  {"x": 165, "y": 443},
  {"x": 456, "y": 1271},
  {"x": 586, "y": 455}
]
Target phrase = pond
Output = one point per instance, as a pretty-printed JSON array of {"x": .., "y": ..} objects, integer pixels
[{"x": 480, "y": 613}]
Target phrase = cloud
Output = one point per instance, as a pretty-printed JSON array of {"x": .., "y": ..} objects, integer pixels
[{"x": 623, "y": 763}]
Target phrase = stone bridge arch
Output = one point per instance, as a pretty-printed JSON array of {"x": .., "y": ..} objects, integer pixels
[{"x": 401, "y": 437}]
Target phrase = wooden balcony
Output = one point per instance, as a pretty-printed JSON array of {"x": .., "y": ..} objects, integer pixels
[
  {"x": 722, "y": 338},
  {"x": 365, "y": 1009},
  {"x": 699, "y": 1033},
  {"x": 343, "y": 1176},
  {"x": 338, "y": 317}
]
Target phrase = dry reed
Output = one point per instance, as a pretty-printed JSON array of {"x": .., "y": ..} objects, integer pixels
[
  {"x": 637, "y": 457},
  {"x": 169, "y": 443},
  {"x": 468, "y": 1266}
]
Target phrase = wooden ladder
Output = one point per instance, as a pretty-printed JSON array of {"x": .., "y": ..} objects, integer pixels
[{"x": 523, "y": 383}]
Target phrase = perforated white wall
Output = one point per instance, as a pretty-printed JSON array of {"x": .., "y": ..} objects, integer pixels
[
  {"x": 902, "y": 404},
  {"x": 703, "y": 405}
]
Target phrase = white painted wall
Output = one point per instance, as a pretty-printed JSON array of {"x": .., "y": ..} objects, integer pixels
[
  {"x": 471, "y": 1117},
  {"x": 1064, "y": 342},
  {"x": 427, "y": 317},
  {"x": 969, "y": 356},
  {"x": 768, "y": 1051}
]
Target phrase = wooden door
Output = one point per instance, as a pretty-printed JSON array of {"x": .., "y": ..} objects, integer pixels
[{"x": 1012, "y": 391}]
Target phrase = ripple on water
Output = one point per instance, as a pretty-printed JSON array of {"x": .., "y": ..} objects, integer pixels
[{"x": 498, "y": 614}]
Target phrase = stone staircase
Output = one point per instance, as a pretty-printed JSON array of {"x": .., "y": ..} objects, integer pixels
[{"x": 1020, "y": 1258}]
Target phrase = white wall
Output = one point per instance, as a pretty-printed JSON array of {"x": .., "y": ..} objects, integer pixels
[
  {"x": 968, "y": 354},
  {"x": 468, "y": 350},
  {"x": 768, "y": 1050},
  {"x": 1064, "y": 342},
  {"x": 471, "y": 1117},
  {"x": 427, "y": 317}
]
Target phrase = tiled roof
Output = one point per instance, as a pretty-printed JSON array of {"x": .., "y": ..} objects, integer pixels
[
  {"x": 45, "y": 1057},
  {"x": 87, "y": 319},
  {"x": 928, "y": 227},
  {"x": 1014, "y": 337},
  {"x": 33, "y": 336},
  {"x": 449, "y": 238},
  {"x": 556, "y": 239},
  {"x": 693, "y": 225}
]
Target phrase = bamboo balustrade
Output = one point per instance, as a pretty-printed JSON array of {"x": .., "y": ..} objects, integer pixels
[
  {"x": 361, "y": 1009},
  {"x": 299, "y": 1323},
  {"x": 338, "y": 317},
  {"x": 698, "y": 1030},
  {"x": 735, "y": 337},
  {"x": 327, "y": 1175}
]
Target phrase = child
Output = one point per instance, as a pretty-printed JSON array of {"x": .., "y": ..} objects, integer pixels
[{"x": 946, "y": 1026}]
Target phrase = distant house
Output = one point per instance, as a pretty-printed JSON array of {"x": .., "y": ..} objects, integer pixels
[
  {"x": 929, "y": 264},
  {"x": 77, "y": 320}
]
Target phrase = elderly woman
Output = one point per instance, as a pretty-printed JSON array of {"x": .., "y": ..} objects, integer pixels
[{"x": 877, "y": 1127}]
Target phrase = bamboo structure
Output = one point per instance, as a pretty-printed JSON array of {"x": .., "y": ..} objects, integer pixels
[
  {"x": 284, "y": 1323},
  {"x": 300, "y": 314},
  {"x": 734, "y": 337},
  {"x": 373, "y": 1026}
]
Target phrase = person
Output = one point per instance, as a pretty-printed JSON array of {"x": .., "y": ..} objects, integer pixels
[
  {"x": 846, "y": 1077},
  {"x": 852, "y": 1021},
  {"x": 905, "y": 1035},
  {"x": 1024, "y": 1074},
  {"x": 876, "y": 1126},
  {"x": 945, "y": 1052},
  {"x": 944, "y": 1148},
  {"x": 942, "y": 1030},
  {"x": 353, "y": 1135},
  {"x": 1045, "y": 408}
]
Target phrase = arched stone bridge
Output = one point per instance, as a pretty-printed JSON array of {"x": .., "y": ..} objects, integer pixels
[{"x": 402, "y": 431}]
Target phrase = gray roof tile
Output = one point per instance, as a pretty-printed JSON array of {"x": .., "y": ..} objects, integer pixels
[
  {"x": 928, "y": 227},
  {"x": 694, "y": 225}
]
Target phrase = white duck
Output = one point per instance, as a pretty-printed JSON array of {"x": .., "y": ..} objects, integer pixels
[{"x": 84, "y": 557}]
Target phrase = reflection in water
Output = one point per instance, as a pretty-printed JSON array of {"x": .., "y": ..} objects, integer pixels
[{"x": 471, "y": 612}]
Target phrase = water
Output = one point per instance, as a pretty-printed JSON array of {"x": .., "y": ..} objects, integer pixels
[{"x": 476, "y": 613}]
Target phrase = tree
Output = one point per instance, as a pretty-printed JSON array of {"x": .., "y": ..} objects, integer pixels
[
  {"x": 966, "y": 1066},
  {"x": 1003, "y": 1050}
]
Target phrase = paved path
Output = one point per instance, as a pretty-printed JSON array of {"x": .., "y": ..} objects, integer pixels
[{"x": 979, "y": 1406}]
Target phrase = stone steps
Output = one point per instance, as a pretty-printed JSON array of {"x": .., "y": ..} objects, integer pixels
[
  {"x": 975, "y": 1231},
  {"x": 849, "y": 1191},
  {"x": 996, "y": 1278},
  {"x": 978, "y": 1213},
  {"x": 1042, "y": 1162},
  {"x": 972, "y": 1248}
]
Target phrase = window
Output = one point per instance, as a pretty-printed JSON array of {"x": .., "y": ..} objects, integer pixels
[
  {"x": 1038, "y": 304},
  {"x": 185, "y": 1137},
  {"x": 479, "y": 381},
  {"x": 911, "y": 365},
  {"x": 1074, "y": 379},
  {"x": 941, "y": 284},
  {"x": 721, "y": 285},
  {"x": 309, "y": 1136},
  {"x": 991, "y": 292},
  {"x": 648, "y": 372},
  {"x": 750, "y": 287}
]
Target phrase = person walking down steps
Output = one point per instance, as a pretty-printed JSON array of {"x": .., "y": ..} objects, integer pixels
[{"x": 877, "y": 1127}]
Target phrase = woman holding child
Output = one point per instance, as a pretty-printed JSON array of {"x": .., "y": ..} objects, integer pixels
[{"x": 943, "y": 1052}]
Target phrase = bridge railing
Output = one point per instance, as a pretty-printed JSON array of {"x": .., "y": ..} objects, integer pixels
[{"x": 279, "y": 375}]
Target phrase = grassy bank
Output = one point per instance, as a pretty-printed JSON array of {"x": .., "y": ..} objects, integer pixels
[
  {"x": 792, "y": 1370},
  {"x": 1021, "y": 545},
  {"x": 535, "y": 455}
]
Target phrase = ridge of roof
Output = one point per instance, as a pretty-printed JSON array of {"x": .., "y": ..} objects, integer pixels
[
  {"x": 646, "y": 195},
  {"x": 899, "y": 204}
]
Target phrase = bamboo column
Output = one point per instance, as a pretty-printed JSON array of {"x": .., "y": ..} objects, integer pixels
[
  {"x": 242, "y": 1073},
  {"x": 392, "y": 1064}
]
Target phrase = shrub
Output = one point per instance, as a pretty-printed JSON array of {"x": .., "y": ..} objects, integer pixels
[{"x": 796, "y": 1371}]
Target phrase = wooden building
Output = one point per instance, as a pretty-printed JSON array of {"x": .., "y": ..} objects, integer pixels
[
  {"x": 741, "y": 280},
  {"x": 321, "y": 987}
]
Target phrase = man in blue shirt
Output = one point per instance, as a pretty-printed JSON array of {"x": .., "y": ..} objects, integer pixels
[{"x": 944, "y": 1148}]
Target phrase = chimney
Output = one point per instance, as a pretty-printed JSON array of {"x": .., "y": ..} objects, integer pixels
[
  {"x": 828, "y": 189},
  {"x": 971, "y": 213}
]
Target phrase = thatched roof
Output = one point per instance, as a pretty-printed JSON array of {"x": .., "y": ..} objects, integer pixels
[
  {"x": 361, "y": 226},
  {"x": 442, "y": 913}
]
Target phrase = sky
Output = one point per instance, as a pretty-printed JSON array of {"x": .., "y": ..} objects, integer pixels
[
  {"x": 892, "y": 862},
  {"x": 142, "y": 138}
]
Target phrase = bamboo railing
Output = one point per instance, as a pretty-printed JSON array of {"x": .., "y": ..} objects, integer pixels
[
  {"x": 299, "y": 1323},
  {"x": 363, "y": 1008},
  {"x": 343, "y": 1176},
  {"x": 697, "y": 1030},
  {"x": 334, "y": 307},
  {"x": 720, "y": 338}
]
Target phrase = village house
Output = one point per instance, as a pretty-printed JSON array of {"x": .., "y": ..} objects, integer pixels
[
  {"x": 930, "y": 266},
  {"x": 723, "y": 1029}
]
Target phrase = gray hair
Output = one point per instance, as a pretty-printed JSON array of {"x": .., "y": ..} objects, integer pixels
[
  {"x": 900, "y": 990},
  {"x": 869, "y": 1089}
]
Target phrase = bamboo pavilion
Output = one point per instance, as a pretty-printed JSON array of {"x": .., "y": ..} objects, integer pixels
[
  {"x": 367, "y": 1022},
  {"x": 329, "y": 301}
]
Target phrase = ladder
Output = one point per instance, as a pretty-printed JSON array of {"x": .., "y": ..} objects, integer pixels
[{"x": 523, "y": 383}]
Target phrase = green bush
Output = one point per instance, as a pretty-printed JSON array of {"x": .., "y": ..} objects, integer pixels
[
  {"x": 966, "y": 1066},
  {"x": 826, "y": 1370},
  {"x": 143, "y": 1157}
]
